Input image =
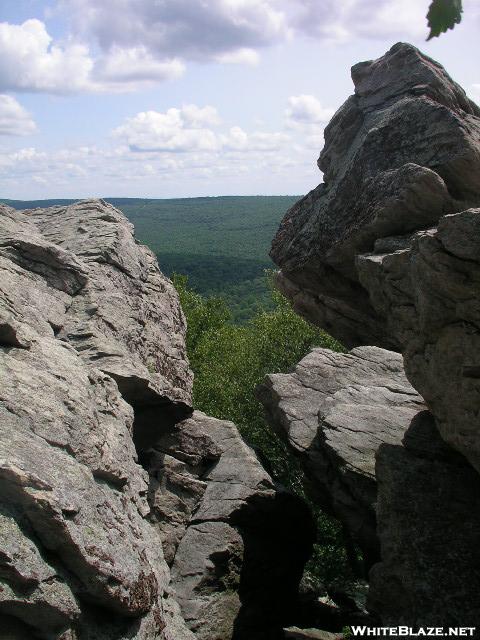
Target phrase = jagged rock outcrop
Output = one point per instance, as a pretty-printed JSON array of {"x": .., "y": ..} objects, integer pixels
[
  {"x": 426, "y": 287},
  {"x": 77, "y": 544},
  {"x": 334, "y": 411},
  {"x": 225, "y": 526},
  {"x": 399, "y": 154},
  {"x": 385, "y": 252},
  {"x": 93, "y": 374}
]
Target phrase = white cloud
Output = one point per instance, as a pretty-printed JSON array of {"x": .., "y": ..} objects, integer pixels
[
  {"x": 122, "y": 67},
  {"x": 126, "y": 45},
  {"x": 29, "y": 61},
  {"x": 239, "y": 56},
  {"x": 191, "y": 129},
  {"x": 14, "y": 119},
  {"x": 179, "y": 130},
  {"x": 306, "y": 109},
  {"x": 238, "y": 140}
]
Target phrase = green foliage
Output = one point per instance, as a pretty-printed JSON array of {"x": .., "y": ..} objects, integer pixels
[
  {"x": 443, "y": 15},
  {"x": 229, "y": 361}
]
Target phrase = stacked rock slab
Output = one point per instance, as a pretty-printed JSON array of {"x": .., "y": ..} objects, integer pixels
[
  {"x": 334, "y": 411},
  {"x": 385, "y": 252},
  {"x": 78, "y": 556},
  {"x": 235, "y": 542},
  {"x": 93, "y": 370}
]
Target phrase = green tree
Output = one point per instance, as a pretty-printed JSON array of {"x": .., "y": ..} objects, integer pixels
[{"x": 229, "y": 361}]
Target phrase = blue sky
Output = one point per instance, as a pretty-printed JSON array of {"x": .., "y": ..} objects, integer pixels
[{"x": 178, "y": 98}]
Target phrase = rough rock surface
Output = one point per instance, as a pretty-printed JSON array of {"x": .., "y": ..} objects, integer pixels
[
  {"x": 401, "y": 152},
  {"x": 73, "y": 498},
  {"x": 427, "y": 286},
  {"x": 429, "y": 524},
  {"x": 386, "y": 252},
  {"x": 93, "y": 371},
  {"x": 334, "y": 411},
  {"x": 225, "y": 526}
]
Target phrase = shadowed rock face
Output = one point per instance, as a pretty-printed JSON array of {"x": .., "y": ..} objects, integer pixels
[
  {"x": 93, "y": 371},
  {"x": 429, "y": 523},
  {"x": 426, "y": 287},
  {"x": 334, "y": 411},
  {"x": 401, "y": 152}
]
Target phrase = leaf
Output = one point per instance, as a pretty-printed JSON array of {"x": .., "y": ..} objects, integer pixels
[{"x": 443, "y": 15}]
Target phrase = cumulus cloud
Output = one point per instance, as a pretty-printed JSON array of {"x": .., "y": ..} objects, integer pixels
[
  {"x": 307, "y": 110},
  {"x": 14, "y": 119},
  {"x": 123, "y": 67},
  {"x": 235, "y": 30},
  {"x": 29, "y": 61},
  {"x": 191, "y": 129},
  {"x": 125, "y": 45},
  {"x": 178, "y": 130}
]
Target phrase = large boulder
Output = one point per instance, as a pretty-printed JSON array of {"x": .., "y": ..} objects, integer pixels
[
  {"x": 236, "y": 543},
  {"x": 79, "y": 558},
  {"x": 403, "y": 151},
  {"x": 386, "y": 252},
  {"x": 101, "y": 467},
  {"x": 334, "y": 411},
  {"x": 126, "y": 319}
]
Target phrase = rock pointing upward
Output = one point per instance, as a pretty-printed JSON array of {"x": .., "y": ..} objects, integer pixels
[
  {"x": 401, "y": 152},
  {"x": 386, "y": 252}
]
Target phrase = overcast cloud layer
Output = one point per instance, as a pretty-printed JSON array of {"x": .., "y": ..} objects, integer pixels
[{"x": 72, "y": 49}]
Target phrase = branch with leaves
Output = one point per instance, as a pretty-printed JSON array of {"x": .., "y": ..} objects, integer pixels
[{"x": 443, "y": 15}]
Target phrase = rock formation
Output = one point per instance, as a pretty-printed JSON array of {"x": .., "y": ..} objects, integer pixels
[
  {"x": 334, "y": 411},
  {"x": 102, "y": 465},
  {"x": 385, "y": 252}
]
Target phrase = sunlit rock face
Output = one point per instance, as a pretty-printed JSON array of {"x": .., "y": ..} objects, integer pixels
[
  {"x": 384, "y": 252},
  {"x": 334, "y": 411},
  {"x": 107, "y": 476}
]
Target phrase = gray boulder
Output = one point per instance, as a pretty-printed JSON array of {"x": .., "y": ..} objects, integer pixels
[
  {"x": 426, "y": 288},
  {"x": 100, "y": 466},
  {"x": 126, "y": 319},
  {"x": 386, "y": 252},
  {"x": 78, "y": 557},
  {"x": 334, "y": 411},
  {"x": 227, "y": 531},
  {"x": 402, "y": 152}
]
